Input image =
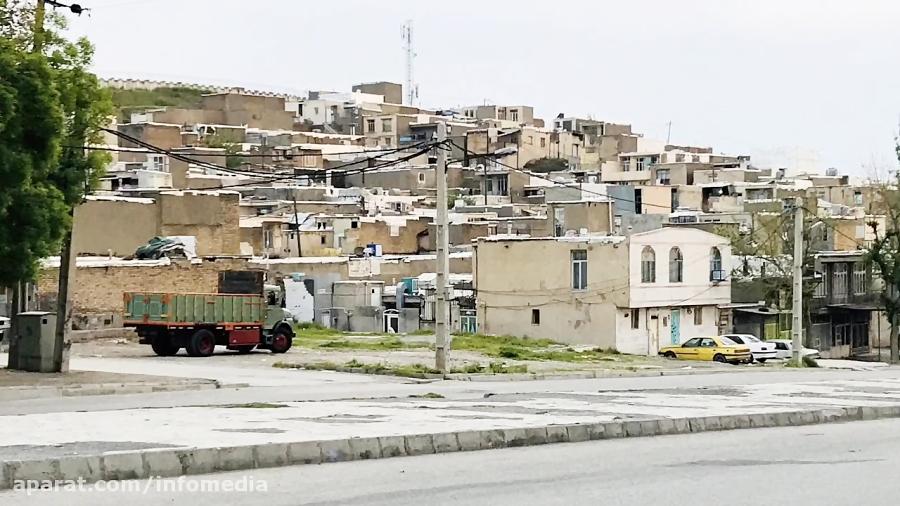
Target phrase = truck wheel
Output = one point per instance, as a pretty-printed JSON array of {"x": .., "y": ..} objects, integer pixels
[
  {"x": 163, "y": 346},
  {"x": 202, "y": 344},
  {"x": 281, "y": 342}
]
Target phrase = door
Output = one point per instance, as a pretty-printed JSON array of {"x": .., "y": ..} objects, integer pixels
[
  {"x": 690, "y": 349},
  {"x": 391, "y": 321},
  {"x": 675, "y": 329},
  {"x": 707, "y": 349}
]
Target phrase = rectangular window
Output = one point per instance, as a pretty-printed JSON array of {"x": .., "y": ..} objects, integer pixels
[
  {"x": 698, "y": 315},
  {"x": 322, "y": 239},
  {"x": 662, "y": 177},
  {"x": 626, "y": 165},
  {"x": 370, "y": 125},
  {"x": 543, "y": 142},
  {"x": 535, "y": 316},
  {"x": 859, "y": 279},
  {"x": 514, "y": 114},
  {"x": 575, "y": 150},
  {"x": 635, "y": 318},
  {"x": 387, "y": 125},
  {"x": 640, "y": 164},
  {"x": 529, "y": 140},
  {"x": 679, "y": 157},
  {"x": 839, "y": 282},
  {"x": 579, "y": 269}
]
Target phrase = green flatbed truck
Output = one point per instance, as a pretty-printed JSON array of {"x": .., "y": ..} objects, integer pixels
[{"x": 199, "y": 322}]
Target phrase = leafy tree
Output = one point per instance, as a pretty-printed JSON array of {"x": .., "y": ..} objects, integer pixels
[
  {"x": 884, "y": 256},
  {"x": 32, "y": 208}
]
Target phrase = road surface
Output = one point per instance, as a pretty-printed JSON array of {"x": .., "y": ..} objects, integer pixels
[{"x": 838, "y": 464}]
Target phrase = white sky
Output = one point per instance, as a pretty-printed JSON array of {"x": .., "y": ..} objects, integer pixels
[{"x": 808, "y": 83}]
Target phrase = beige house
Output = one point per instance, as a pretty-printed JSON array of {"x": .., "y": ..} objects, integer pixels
[
  {"x": 113, "y": 225},
  {"x": 633, "y": 294}
]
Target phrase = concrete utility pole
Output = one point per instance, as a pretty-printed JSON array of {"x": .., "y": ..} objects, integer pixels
[
  {"x": 797, "y": 344},
  {"x": 441, "y": 306}
]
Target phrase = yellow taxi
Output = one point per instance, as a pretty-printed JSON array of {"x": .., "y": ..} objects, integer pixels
[{"x": 718, "y": 349}]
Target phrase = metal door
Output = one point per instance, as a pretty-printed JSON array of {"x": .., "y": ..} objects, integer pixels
[{"x": 675, "y": 329}]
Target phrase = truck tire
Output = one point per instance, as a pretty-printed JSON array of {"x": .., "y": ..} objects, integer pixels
[
  {"x": 201, "y": 344},
  {"x": 163, "y": 346},
  {"x": 281, "y": 341}
]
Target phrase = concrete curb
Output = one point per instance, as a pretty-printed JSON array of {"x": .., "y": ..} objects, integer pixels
[
  {"x": 188, "y": 461},
  {"x": 46, "y": 392}
]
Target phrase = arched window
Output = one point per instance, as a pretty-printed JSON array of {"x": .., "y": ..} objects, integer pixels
[
  {"x": 648, "y": 265},
  {"x": 715, "y": 265},
  {"x": 676, "y": 266}
]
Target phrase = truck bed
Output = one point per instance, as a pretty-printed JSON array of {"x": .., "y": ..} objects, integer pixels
[{"x": 152, "y": 308}]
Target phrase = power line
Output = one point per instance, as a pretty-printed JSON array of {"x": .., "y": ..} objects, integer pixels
[
  {"x": 241, "y": 155},
  {"x": 559, "y": 183}
]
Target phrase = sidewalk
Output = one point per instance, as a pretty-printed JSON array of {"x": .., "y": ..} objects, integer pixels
[
  {"x": 15, "y": 385},
  {"x": 134, "y": 443}
]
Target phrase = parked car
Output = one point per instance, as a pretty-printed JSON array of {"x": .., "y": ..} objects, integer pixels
[
  {"x": 784, "y": 349},
  {"x": 709, "y": 348},
  {"x": 759, "y": 350}
]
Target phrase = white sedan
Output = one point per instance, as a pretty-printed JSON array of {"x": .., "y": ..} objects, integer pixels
[
  {"x": 759, "y": 350},
  {"x": 784, "y": 348}
]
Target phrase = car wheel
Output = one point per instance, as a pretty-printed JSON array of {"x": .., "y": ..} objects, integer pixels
[
  {"x": 202, "y": 344},
  {"x": 751, "y": 359},
  {"x": 720, "y": 358},
  {"x": 762, "y": 360},
  {"x": 670, "y": 354},
  {"x": 163, "y": 346},
  {"x": 281, "y": 342}
]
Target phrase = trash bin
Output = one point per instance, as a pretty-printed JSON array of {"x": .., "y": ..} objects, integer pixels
[{"x": 34, "y": 342}]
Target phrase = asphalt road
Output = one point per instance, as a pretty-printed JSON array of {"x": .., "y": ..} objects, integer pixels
[{"x": 837, "y": 464}]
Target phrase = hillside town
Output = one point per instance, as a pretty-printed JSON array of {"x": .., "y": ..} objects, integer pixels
[
  {"x": 574, "y": 229},
  {"x": 245, "y": 259}
]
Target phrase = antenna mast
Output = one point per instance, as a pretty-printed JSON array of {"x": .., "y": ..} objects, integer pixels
[{"x": 412, "y": 90}]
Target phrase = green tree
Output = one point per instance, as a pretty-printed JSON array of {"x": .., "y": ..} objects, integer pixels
[
  {"x": 884, "y": 256},
  {"x": 33, "y": 214}
]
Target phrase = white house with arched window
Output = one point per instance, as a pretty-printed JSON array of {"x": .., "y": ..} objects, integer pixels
[{"x": 635, "y": 294}]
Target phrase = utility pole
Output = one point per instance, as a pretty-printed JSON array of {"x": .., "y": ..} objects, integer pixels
[
  {"x": 668, "y": 131},
  {"x": 441, "y": 305},
  {"x": 296, "y": 222},
  {"x": 797, "y": 344}
]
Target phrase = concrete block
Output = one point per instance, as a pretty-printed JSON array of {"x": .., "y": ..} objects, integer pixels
[
  {"x": 853, "y": 413},
  {"x": 698, "y": 423},
  {"x": 27, "y": 470},
  {"x": 614, "y": 429},
  {"x": 759, "y": 420},
  {"x": 666, "y": 426},
  {"x": 489, "y": 439},
  {"x": 781, "y": 419},
  {"x": 392, "y": 446},
  {"x": 123, "y": 466},
  {"x": 536, "y": 435},
  {"x": 419, "y": 444},
  {"x": 795, "y": 418},
  {"x": 270, "y": 455},
  {"x": 830, "y": 415},
  {"x": 713, "y": 423},
  {"x": 445, "y": 442},
  {"x": 682, "y": 425},
  {"x": 197, "y": 460},
  {"x": 234, "y": 458},
  {"x": 578, "y": 433},
  {"x": 336, "y": 450},
  {"x": 365, "y": 448},
  {"x": 515, "y": 437},
  {"x": 728, "y": 422},
  {"x": 741, "y": 422},
  {"x": 809, "y": 417},
  {"x": 469, "y": 440},
  {"x": 304, "y": 452},
  {"x": 650, "y": 427},
  {"x": 633, "y": 429},
  {"x": 597, "y": 431},
  {"x": 869, "y": 413},
  {"x": 161, "y": 462},
  {"x": 557, "y": 434}
]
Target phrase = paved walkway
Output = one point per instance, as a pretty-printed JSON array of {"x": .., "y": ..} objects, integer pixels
[{"x": 94, "y": 432}]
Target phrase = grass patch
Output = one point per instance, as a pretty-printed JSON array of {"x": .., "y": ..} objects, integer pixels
[
  {"x": 313, "y": 335},
  {"x": 406, "y": 371},
  {"x": 422, "y": 332},
  {"x": 257, "y": 405},
  {"x": 807, "y": 362},
  {"x": 518, "y": 348},
  {"x": 429, "y": 395}
]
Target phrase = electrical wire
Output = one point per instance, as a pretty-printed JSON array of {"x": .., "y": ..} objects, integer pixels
[{"x": 239, "y": 155}]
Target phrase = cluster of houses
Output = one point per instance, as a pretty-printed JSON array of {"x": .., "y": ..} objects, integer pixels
[{"x": 579, "y": 230}]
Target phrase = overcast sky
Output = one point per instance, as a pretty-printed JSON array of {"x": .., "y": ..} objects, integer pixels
[{"x": 808, "y": 83}]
